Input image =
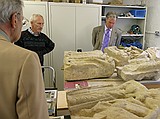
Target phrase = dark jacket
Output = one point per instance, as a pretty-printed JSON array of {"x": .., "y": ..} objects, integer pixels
[{"x": 40, "y": 44}]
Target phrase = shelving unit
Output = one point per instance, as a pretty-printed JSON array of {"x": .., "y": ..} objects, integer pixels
[{"x": 124, "y": 23}]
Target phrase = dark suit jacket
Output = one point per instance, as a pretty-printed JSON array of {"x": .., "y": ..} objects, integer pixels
[{"x": 97, "y": 37}]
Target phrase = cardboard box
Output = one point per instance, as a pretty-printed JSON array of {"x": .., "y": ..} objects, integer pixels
[{"x": 96, "y": 1}]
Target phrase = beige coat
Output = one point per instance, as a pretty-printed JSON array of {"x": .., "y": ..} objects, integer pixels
[
  {"x": 97, "y": 37},
  {"x": 21, "y": 86}
]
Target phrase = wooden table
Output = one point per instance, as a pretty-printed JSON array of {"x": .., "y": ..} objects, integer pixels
[{"x": 62, "y": 107}]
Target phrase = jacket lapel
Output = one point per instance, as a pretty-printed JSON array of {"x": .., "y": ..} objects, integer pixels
[
  {"x": 101, "y": 33},
  {"x": 113, "y": 37}
]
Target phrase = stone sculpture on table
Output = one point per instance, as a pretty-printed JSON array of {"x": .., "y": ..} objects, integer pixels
[{"x": 87, "y": 65}]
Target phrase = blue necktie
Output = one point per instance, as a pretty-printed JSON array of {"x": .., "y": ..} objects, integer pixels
[{"x": 106, "y": 40}]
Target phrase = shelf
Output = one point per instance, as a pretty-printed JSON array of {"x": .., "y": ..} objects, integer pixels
[
  {"x": 116, "y": 6},
  {"x": 140, "y": 18},
  {"x": 125, "y": 23},
  {"x": 132, "y": 35}
]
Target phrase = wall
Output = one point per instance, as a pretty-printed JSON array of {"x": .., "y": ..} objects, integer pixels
[{"x": 153, "y": 23}]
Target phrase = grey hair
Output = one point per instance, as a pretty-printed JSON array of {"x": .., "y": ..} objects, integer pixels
[
  {"x": 9, "y": 7},
  {"x": 110, "y": 13},
  {"x": 34, "y": 16}
]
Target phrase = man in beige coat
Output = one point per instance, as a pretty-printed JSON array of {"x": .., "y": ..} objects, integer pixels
[
  {"x": 22, "y": 93},
  {"x": 98, "y": 33}
]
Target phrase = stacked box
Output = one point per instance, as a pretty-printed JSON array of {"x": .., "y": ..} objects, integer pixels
[{"x": 138, "y": 13}]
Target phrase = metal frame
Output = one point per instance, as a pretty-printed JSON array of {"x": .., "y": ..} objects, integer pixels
[{"x": 52, "y": 74}]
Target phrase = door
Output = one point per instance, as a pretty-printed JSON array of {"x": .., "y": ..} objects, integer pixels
[
  {"x": 62, "y": 30},
  {"x": 87, "y": 17}
]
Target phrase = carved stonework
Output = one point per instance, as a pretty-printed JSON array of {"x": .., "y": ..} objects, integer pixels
[
  {"x": 131, "y": 64},
  {"x": 130, "y": 100},
  {"x": 87, "y": 65}
]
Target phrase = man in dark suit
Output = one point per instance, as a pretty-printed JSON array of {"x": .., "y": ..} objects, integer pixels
[{"x": 98, "y": 33}]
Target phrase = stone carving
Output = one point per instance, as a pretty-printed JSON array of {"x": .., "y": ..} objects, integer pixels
[
  {"x": 130, "y": 100},
  {"x": 87, "y": 65},
  {"x": 122, "y": 56},
  {"x": 140, "y": 70},
  {"x": 131, "y": 64},
  {"x": 135, "y": 64},
  {"x": 145, "y": 65}
]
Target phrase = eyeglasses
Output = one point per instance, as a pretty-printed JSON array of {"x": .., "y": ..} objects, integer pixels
[{"x": 25, "y": 21}]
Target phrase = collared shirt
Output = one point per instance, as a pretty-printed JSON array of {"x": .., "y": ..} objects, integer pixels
[
  {"x": 5, "y": 35},
  {"x": 30, "y": 30},
  {"x": 106, "y": 31}
]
